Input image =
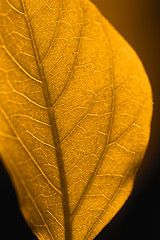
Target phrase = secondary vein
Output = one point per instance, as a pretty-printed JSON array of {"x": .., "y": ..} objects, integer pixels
[{"x": 107, "y": 139}]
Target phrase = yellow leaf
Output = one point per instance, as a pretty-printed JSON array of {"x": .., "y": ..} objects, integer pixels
[{"x": 75, "y": 112}]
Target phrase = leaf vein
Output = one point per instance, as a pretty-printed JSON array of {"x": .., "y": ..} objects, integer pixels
[
  {"x": 54, "y": 36},
  {"x": 24, "y": 96},
  {"x": 47, "y": 144},
  {"x": 30, "y": 155},
  {"x": 33, "y": 119},
  {"x": 14, "y": 8},
  {"x": 55, "y": 219},
  {"x": 34, "y": 203},
  {"x": 108, "y": 204},
  {"x": 8, "y": 136},
  {"x": 107, "y": 140},
  {"x": 74, "y": 64},
  {"x": 18, "y": 64},
  {"x": 51, "y": 114}
]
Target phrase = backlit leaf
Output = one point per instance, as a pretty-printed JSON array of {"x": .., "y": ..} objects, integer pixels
[{"x": 75, "y": 112}]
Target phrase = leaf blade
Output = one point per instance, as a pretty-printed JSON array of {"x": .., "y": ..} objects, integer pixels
[{"x": 89, "y": 98}]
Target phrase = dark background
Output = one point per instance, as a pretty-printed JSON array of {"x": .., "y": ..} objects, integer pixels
[{"x": 139, "y": 22}]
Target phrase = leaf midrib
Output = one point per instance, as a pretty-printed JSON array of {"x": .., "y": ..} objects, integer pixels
[{"x": 60, "y": 163}]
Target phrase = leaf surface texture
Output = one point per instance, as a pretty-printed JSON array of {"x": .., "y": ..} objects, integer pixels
[{"x": 75, "y": 112}]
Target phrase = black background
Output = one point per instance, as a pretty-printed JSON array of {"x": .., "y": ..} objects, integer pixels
[{"x": 139, "y": 22}]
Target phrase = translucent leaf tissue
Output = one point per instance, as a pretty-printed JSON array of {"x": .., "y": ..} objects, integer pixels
[{"x": 75, "y": 113}]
